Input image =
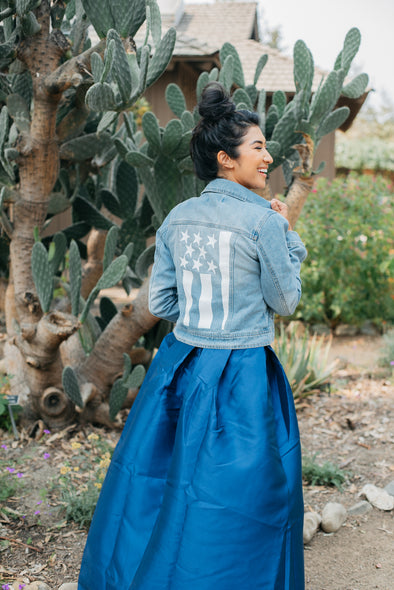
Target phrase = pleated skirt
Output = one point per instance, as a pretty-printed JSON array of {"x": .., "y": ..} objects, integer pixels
[{"x": 204, "y": 490}]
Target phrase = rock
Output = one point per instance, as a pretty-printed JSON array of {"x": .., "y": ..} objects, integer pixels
[
  {"x": 297, "y": 327},
  {"x": 37, "y": 586},
  {"x": 69, "y": 586},
  {"x": 346, "y": 330},
  {"x": 333, "y": 517},
  {"x": 341, "y": 363},
  {"x": 369, "y": 329},
  {"x": 390, "y": 488},
  {"x": 360, "y": 508},
  {"x": 312, "y": 522},
  {"x": 320, "y": 329},
  {"x": 378, "y": 497}
]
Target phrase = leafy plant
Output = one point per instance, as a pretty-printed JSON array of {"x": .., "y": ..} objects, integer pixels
[
  {"x": 348, "y": 229},
  {"x": 11, "y": 479},
  {"x": 80, "y": 505},
  {"x": 327, "y": 474},
  {"x": 89, "y": 462},
  {"x": 5, "y": 419},
  {"x": 304, "y": 358},
  {"x": 9, "y": 482}
]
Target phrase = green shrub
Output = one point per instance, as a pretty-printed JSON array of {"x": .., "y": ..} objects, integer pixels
[
  {"x": 327, "y": 474},
  {"x": 368, "y": 153},
  {"x": 5, "y": 418},
  {"x": 348, "y": 228},
  {"x": 81, "y": 477}
]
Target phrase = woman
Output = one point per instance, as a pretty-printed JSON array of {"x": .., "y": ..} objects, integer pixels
[{"x": 204, "y": 489}]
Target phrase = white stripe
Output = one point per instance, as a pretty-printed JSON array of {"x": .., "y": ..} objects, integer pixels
[
  {"x": 224, "y": 266},
  {"x": 187, "y": 280},
  {"x": 205, "y": 302}
]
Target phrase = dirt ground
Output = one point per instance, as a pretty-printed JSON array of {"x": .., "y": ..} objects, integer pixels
[{"x": 352, "y": 426}]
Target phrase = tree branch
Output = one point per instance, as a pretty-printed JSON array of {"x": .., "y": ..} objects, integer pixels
[
  {"x": 105, "y": 361},
  {"x": 71, "y": 72}
]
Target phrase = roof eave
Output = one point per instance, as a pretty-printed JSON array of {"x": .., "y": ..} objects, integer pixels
[{"x": 354, "y": 105}]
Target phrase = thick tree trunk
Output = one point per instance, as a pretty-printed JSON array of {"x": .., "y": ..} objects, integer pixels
[
  {"x": 93, "y": 269},
  {"x": 33, "y": 353},
  {"x": 303, "y": 180},
  {"x": 105, "y": 362},
  {"x": 297, "y": 196}
]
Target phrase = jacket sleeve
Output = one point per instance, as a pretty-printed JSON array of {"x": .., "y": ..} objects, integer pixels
[
  {"x": 280, "y": 253},
  {"x": 163, "y": 293}
]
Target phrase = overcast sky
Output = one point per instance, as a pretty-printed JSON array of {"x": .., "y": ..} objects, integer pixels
[{"x": 323, "y": 26}]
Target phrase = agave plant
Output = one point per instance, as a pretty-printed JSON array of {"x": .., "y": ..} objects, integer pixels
[{"x": 304, "y": 358}]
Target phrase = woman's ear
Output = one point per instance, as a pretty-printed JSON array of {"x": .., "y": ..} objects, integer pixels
[{"x": 224, "y": 161}]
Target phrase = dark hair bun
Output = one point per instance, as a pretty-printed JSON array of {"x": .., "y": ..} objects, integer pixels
[{"x": 215, "y": 103}]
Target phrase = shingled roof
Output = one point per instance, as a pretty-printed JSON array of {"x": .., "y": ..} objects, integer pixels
[
  {"x": 277, "y": 73},
  {"x": 202, "y": 29},
  {"x": 206, "y": 27},
  {"x": 219, "y": 22}
]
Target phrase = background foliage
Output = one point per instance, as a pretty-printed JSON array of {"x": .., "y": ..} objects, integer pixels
[
  {"x": 369, "y": 143},
  {"x": 348, "y": 229}
]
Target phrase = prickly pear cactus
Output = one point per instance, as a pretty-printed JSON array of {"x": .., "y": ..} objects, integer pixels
[
  {"x": 71, "y": 386},
  {"x": 42, "y": 275},
  {"x": 163, "y": 163},
  {"x": 131, "y": 378},
  {"x": 123, "y": 76},
  {"x": 308, "y": 116}
]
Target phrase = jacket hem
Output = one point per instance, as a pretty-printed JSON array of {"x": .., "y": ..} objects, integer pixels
[{"x": 209, "y": 342}]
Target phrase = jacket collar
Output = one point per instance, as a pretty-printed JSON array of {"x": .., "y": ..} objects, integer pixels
[{"x": 233, "y": 189}]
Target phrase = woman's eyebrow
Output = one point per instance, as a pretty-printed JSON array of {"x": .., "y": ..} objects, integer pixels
[{"x": 257, "y": 141}]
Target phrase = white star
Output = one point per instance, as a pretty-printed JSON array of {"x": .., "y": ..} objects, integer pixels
[
  {"x": 189, "y": 250},
  {"x": 185, "y": 236},
  {"x": 197, "y": 239},
  {"x": 183, "y": 261},
  {"x": 212, "y": 266},
  {"x": 211, "y": 241},
  {"x": 197, "y": 264},
  {"x": 203, "y": 252}
]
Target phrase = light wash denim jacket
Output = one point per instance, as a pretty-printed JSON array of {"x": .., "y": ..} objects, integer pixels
[{"x": 225, "y": 262}]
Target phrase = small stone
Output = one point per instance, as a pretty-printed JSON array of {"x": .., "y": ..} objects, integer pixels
[
  {"x": 297, "y": 327},
  {"x": 360, "y": 508},
  {"x": 69, "y": 586},
  {"x": 346, "y": 330},
  {"x": 369, "y": 329},
  {"x": 37, "y": 586},
  {"x": 378, "y": 497},
  {"x": 341, "y": 363},
  {"x": 333, "y": 517},
  {"x": 320, "y": 329},
  {"x": 312, "y": 522},
  {"x": 390, "y": 488}
]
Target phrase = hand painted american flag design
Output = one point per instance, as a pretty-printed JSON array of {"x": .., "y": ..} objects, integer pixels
[{"x": 205, "y": 264}]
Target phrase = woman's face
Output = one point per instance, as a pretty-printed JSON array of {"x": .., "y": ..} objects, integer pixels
[{"x": 251, "y": 166}]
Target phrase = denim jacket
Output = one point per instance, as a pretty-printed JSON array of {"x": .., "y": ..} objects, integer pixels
[{"x": 225, "y": 263}]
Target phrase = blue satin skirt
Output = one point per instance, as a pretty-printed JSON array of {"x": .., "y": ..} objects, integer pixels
[{"x": 204, "y": 490}]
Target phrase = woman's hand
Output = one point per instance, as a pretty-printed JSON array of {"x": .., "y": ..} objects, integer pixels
[{"x": 281, "y": 208}]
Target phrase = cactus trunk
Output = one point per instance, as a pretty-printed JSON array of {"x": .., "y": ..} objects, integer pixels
[
  {"x": 297, "y": 196},
  {"x": 33, "y": 353},
  {"x": 105, "y": 362}
]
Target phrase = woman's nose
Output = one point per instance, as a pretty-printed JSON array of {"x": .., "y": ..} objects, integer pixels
[{"x": 267, "y": 157}]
